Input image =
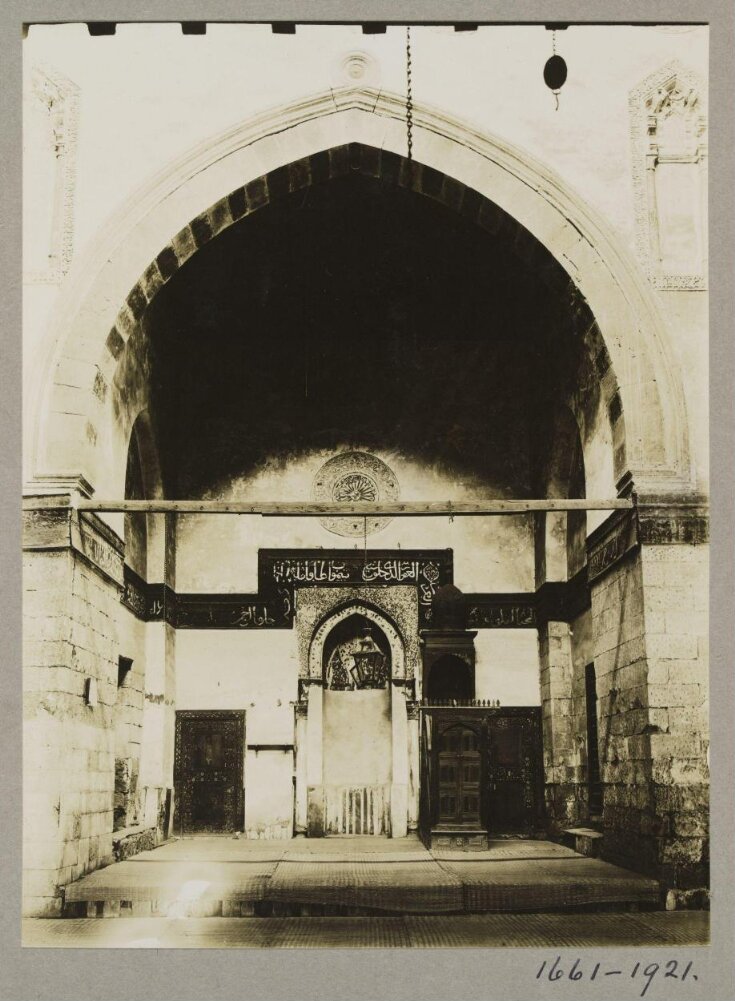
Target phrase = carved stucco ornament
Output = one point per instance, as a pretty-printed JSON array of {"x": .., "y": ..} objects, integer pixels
[
  {"x": 356, "y": 69},
  {"x": 353, "y": 477},
  {"x": 51, "y": 146},
  {"x": 668, "y": 119}
]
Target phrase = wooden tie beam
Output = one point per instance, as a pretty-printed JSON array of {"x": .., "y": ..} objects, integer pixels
[{"x": 361, "y": 509}]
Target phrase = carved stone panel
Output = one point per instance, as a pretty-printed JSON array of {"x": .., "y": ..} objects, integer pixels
[
  {"x": 50, "y": 139},
  {"x": 669, "y": 148},
  {"x": 282, "y": 571},
  {"x": 394, "y": 609},
  {"x": 609, "y": 543},
  {"x": 353, "y": 477},
  {"x": 501, "y": 611}
]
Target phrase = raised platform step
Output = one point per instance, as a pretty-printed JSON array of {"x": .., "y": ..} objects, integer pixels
[
  {"x": 184, "y": 881},
  {"x": 552, "y": 931},
  {"x": 130, "y": 841},
  {"x": 459, "y": 838},
  {"x": 585, "y": 841}
]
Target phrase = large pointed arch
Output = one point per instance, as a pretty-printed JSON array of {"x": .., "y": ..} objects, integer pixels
[{"x": 109, "y": 289}]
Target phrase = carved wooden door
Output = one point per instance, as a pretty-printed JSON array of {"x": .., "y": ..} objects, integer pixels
[
  {"x": 209, "y": 772},
  {"x": 510, "y": 806},
  {"x": 459, "y": 777}
]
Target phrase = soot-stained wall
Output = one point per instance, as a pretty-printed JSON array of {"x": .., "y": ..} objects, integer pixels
[
  {"x": 301, "y": 328},
  {"x": 219, "y": 553}
]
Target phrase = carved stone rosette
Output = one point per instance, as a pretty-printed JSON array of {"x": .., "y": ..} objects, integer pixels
[{"x": 353, "y": 477}]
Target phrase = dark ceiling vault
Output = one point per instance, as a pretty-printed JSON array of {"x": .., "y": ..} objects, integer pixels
[{"x": 355, "y": 313}]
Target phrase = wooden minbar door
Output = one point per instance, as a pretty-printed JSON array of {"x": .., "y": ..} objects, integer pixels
[
  {"x": 481, "y": 774},
  {"x": 459, "y": 778},
  {"x": 208, "y": 772}
]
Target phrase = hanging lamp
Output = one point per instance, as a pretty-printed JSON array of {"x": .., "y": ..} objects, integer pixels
[
  {"x": 555, "y": 71},
  {"x": 369, "y": 663}
]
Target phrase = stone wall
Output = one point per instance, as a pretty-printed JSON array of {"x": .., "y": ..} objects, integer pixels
[
  {"x": 127, "y": 718},
  {"x": 646, "y": 635},
  {"x": 560, "y": 772},
  {"x": 582, "y": 655},
  {"x": 597, "y": 168},
  {"x": 650, "y": 630},
  {"x": 564, "y": 652},
  {"x": 623, "y": 713},
  {"x": 604, "y": 65},
  {"x": 158, "y": 717},
  {"x": 675, "y": 583},
  {"x": 255, "y": 671},
  {"x": 69, "y": 741},
  {"x": 507, "y": 666},
  {"x": 72, "y": 627}
]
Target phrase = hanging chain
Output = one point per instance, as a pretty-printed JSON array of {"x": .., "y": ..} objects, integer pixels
[
  {"x": 409, "y": 97},
  {"x": 553, "y": 52},
  {"x": 364, "y": 541}
]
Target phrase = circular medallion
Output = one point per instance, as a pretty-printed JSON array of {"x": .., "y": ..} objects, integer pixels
[
  {"x": 356, "y": 69},
  {"x": 353, "y": 477}
]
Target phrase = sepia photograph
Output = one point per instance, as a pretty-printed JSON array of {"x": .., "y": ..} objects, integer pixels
[{"x": 366, "y": 486}]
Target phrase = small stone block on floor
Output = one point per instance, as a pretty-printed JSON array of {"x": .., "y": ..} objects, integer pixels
[{"x": 586, "y": 841}]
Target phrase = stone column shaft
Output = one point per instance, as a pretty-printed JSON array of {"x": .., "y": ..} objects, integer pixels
[
  {"x": 557, "y": 706},
  {"x": 314, "y": 762},
  {"x": 399, "y": 780}
]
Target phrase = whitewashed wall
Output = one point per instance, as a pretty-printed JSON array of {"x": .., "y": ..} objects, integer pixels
[{"x": 221, "y": 553}]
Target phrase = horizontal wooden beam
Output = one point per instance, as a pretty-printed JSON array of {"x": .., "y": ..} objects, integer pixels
[{"x": 362, "y": 509}]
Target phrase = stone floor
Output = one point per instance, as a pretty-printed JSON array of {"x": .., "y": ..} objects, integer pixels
[
  {"x": 477, "y": 930},
  {"x": 226, "y": 878}
]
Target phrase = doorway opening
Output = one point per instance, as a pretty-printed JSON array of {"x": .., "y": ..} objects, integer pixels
[
  {"x": 594, "y": 780},
  {"x": 450, "y": 678}
]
